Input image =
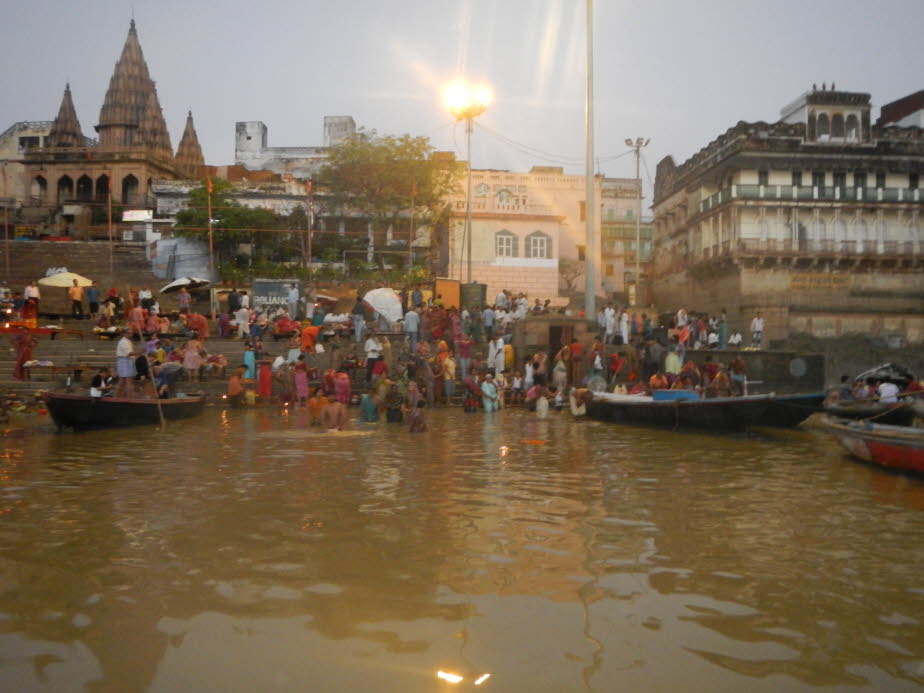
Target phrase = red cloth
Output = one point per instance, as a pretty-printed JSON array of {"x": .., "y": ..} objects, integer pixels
[
  {"x": 199, "y": 324},
  {"x": 265, "y": 381}
]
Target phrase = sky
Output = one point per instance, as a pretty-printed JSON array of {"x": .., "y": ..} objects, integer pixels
[{"x": 675, "y": 71}]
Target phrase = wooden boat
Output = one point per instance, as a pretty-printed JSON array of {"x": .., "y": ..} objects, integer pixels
[
  {"x": 84, "y": 412},
  {"x": 721, "y": 413},
  {"x": 896, "y": 447},
  {"x": 897, "y": 414},
  {"x": 788, "y": 411}
]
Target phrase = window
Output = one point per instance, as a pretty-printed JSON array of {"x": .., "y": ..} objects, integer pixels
[
  {"x": 880, "y": 180},
  {"x": 824, "y": 126},
  {"x": 859, "y": 179},
  {"x": 582, "y": 211},
  {"x": 913, "y": 179},
  {"x": 505, "y": 244},
  {"x": 610, "y": 271},
  {"x": 28, "y": 143},
  {"x": 840, "y": 180},
  {"x": 818, "y": 181},
  {"x": 797, "y": 179},
  {"x": 481, "y": 190},
  {"x": 763, "y": 178},
  {"x": 853, "y": 127},
  {"x": 504, "y": 197},
  {"x": 837, "y": 125},
  {"x": 538, "y": 245}
]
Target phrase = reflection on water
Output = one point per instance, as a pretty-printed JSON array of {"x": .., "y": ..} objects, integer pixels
[{"x": 244, "y": 552}]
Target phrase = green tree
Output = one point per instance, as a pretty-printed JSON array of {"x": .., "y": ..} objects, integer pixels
[
  {"x": 232, "y": 223},
  {"x": 386, "y": 178}
]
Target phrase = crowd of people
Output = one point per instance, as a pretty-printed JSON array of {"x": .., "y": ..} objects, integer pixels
[{"x": 416, "y": 363}]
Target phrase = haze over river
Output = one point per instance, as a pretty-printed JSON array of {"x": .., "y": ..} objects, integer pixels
[{"x": 242, "y": 552}]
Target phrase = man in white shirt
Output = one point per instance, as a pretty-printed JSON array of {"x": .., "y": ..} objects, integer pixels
[
  {"x": 373, "y": 348},
  {"x": 888, "y": 392},
  {"x": 245, "y": 300},
  {"x": 242, "y": 319},
  {"x": 292, "y": 301},
  {"x": 125, "y": 364},
  {"x": 757, "y": 331},
  {"x": 412, "y": 328},
  {"x": 501, "y": 300}
]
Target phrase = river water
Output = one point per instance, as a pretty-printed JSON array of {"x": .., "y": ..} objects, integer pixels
[{"x": 244, "y": 552}]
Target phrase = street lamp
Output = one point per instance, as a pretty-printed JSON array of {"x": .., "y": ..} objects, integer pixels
[
  {"x": 466, "y": 102},
  {"x": 637, "y": 146}
]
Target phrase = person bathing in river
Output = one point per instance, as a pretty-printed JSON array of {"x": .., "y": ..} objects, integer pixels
[
  {"x": 489, "y": 396},
  {"x": 415, "y": 419},
  {"x": 316, "y": 404},
  {"x": 334, "y": 416}
]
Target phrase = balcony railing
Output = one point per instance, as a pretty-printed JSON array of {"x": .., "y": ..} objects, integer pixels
[
  {"x": 787, "y": 246},
  {"x": 801, "y": 193}
]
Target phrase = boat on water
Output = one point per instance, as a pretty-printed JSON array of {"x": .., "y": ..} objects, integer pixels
[
  {"x": 896, "y": 414},
  {"x": 720, "y": 413},
  {"x": 84, "y": 412},
  {"x": 896, "y": 447},
  {"x": 788, "y": 411}
]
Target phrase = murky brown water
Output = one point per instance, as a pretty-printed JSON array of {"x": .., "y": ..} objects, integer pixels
[{"x": 242, "y": 553}]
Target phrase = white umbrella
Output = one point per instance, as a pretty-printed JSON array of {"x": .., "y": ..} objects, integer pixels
[
  {"x": 188, "y": 282},
  {"x": 64, "y": 279},
  {"x": 385, "y": 302}
]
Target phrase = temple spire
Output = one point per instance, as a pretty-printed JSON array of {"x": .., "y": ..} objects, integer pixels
[
  {"x": 152, "y": 130},
  {"x": 128, "y": 98},
  {"x": 189, "y": 159},
  {"x": 65, "y": 130}
]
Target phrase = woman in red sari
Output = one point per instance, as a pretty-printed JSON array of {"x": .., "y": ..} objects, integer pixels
[
  {"x": 198, "y": 324},
  {"x": 265, "y": 380},
  {"x": 23, "y": 344}
]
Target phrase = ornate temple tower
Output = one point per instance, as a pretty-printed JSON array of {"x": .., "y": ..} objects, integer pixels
[
  {"x": 133, "y": 150},
  {"x": 189, "y": 159},
  {"x": 65, "y": 130}
]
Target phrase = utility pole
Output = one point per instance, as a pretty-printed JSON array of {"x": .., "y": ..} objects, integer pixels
[
  {"x": 411, "y": 234},
  {"x": 636, "y": 146},
  {"x": 590, "y": 197},
  {"x": 310, "y": 217}
]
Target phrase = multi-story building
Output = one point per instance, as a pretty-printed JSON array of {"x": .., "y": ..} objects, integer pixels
[
  {"x": 252, "y": 150},
  {"x": 817, "y": 220},
  {"x": 619, "y": 210},
  {"x": 529, "y": 231}
]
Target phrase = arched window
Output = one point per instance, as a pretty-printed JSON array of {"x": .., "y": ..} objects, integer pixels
[
  {"x": 481, "y": 190},
  {"x": 85, "y": 188},
  {"x": 504, "y": 197},
  {"x": 538, "y": 245},
  {"x": 824, "y": 125},
  {"x": 102, "y": 187},
  {"x": 129, "y": 189},
  {"x": 837, "y": 125},
  {"x": 506, "y": 244},
  {"x": 853, "y": 127},
  {"x": 39, "y": 188},
  {"x": 65, "y": 188}
]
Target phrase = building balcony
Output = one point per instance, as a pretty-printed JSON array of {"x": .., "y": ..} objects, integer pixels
[{"x": 809, "y": 193}]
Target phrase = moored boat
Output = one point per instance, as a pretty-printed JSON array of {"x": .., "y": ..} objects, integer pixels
[
  {"x": 720, "y": 413},
  {"x": 895, "y": 414},
  {"x": 896, "y": 447},
  {"x": 85, "y": 412},
  {"x": 788, "y": 411}
]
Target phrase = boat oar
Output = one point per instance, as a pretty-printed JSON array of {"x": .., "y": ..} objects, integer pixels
[{"x": 160, "y": 409}]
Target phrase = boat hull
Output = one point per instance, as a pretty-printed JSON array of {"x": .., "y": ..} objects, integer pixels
[
  {"x": 82, "y": 412},
  {"x": 720, "y": 414},
  {"x": 899, "y": 414},
  {"x": 788, "y": 411},
  {"x": 895, "y": 447}
]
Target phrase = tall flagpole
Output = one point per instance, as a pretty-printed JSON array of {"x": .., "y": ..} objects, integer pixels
[{"x": 590, "y": 204}]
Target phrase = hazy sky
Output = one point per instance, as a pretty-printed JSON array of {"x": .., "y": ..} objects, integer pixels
[{"x": 677, "y": 71}]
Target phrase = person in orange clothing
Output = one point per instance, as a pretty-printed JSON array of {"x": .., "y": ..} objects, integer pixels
[
  {"x": 316, "y": 404},
  {"x": 658, "y": 381},
  {"x": 310, "y": 337},
  {"x": 199, "y": 324}
]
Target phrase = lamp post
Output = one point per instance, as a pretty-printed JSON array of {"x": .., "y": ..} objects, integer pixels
[
  {"x": 466, "y": 102},
  {"x": 637, "y": 146}
]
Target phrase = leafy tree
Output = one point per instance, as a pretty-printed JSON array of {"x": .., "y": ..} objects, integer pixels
[
  {"x": 380, "y": 177},
  {"x": 232, "y": 222}
]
